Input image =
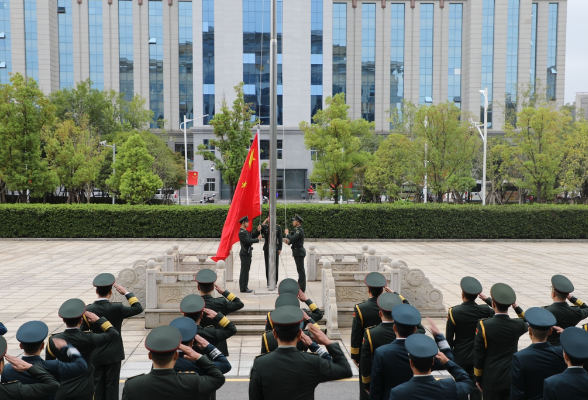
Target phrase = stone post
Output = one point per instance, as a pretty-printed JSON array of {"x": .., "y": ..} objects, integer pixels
[
  {"x": 151, "y": 285},
  {"x": 362, "y": 261},
  {"x": 229, "y": 267},
  {"x": 311, "y": 263},
  {"x": 372, "y": 261},
  {"x": 395, "y": 276},
  {"x": 221, "y": 271},
  {"x": 169, "y": 265}
]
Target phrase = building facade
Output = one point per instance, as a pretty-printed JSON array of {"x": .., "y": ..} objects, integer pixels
[
  {"x": 581, "y": 105},
  {"x": 184, "y": 57}
]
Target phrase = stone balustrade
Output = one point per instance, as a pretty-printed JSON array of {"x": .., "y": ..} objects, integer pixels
[{"x": 366, "y": 260}]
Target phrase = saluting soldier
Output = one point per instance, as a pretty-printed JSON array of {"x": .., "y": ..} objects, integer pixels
[
  {"x": 565, "y": 315},
  {"x": 193, "y": 306},
  {"x": 225, "y": 305},
  {"x": 290, "y": 286},
  {"x": 165, "y": 383},
  {"x": 423, "y": 353},
  {"x": 539, "y": 361},
  {"x": 46, "y": 386},
  {"x": 286, "y": 371},
  {"x": 31, "y": 336},
  {"x": 107, "y": 358},
  {"x": 497, "y": 339},
  {"x": 380, "y": 335},
  {"x": 366, "y": 314},
  {"x": 296, "y": 242},
  {"x": 245, "y": 254},
  {"x": 573, "y": 382},
  {"x": 461, "y": 326},
  {"x": 72, "y": 311},
  {"x": 279, "y": 240}
]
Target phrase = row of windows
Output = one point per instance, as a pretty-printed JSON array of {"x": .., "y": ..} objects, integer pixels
[
  {"x": 454, "y": 57},
  {"x": 186, "y": 76},
  {"x": 339, "y": 48},
  {"x": 156, "y": 60},
  {"x": 426, "y": 54},
  {"x": 552, "y": 51},
  {"x": 96, "y": 46},
  {"x": 31, "y": 49},
  {"x": 396, "y": 57},
  {"x": 487, "y": 56},
  {"x": 368, "y": 61},
  {"x": 66, "y": 64},
  {"x": 316, "y": 48},
  {"x": 208, "y": 59},
  {"x": 512, "y": 56},
  {"x": 125, "y": 34},
  {"x": 5, "y": 44}
]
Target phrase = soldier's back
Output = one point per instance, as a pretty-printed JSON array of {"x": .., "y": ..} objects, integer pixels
[
  {"x": 465, "y": 318},
  {"x": 164, "y": 384},
  {"x": 566, "y": 316}
]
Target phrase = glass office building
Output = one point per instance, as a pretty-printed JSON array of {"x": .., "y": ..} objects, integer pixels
[
  {"x": 396, "y": 57},
  {"x": 125, "y": 48},
  {"x": 5, "y": 42}
]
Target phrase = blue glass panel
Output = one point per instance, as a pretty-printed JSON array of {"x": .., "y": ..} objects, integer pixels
[
  {"x": 185, "y": 56},
  {"x": 534, "y": 47},
  {"x": 427, "y": 12},
  {"x": 31, "y": 49},
  {"x": 125, "y": 43},
  {"x": 5, "y": 47},
  {"x": 339, "y": 48},
  {"x": 512, "y": 57},
  {"x": 316, "y": 51},
  {"x": 552, "y": 51},
  {"x": 396, "y": 57},
  {"x": 96, "y": 41},
  {"x": 454, "y": 59},
  {"x": 208, "y": 58},
  {"x": 487, "y": 56},
  {"x": 368, "y": 61},
  {"x": 156, "y": 60},
  {"x": 64, "y": 20}
]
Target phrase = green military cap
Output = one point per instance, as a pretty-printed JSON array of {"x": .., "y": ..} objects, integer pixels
[
  {"x": 3, "y": 347},
  {"x": 288, "y": 285},
  {"x": 503, "y": 294},
  {"x": 206, "y": 276},
  {"x": 562, "y": 284},
  {"x": 375, "y": 280},
  {"x": 297, "y": 218},
  {"x": 421, "y": 347},
  {"x": 187, "y": 327},
  {"x": 287, "y": 315},
  {"x": 405, "y": 314},
  {"x": 244, "y": 219},
  {"x": 163, "y": 339},
  {"x": 287, "y": 299},
  {"x": 387, "y": 301},
  {"x": 72, "y": 308},
  {"x": 104, "y": 280},
  {"x": 192, "y": 304},
  {"x": 470, "y": 285},
  {"x": 574, "y": 341},
  {"x": 540, "y": 318},
  {"x": 32, "y": 332}
]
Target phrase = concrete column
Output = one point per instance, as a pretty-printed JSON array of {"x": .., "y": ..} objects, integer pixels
[
  {"x": 499, "y": 67},
  {"x": 471, "y": 77},
  {"x": 440, "y": 53},
  {"x": 229, "y": 261},
  {"x": 412, "y": 20},
  {"x": 111, "y": 44},
  {"x": 17, "y": 40},
  {"x": 228, "y": 50},
  {"x": 81, "y": 47},
  {"x": 542, "y": 35},
  {"x": 171, "y": 80},
  {"x": 197, "y": 62},
  {"x": 561, "y": 52},
  {"x": 327, "y": 49},
  {"x": 48, "y": 45},
  {"x": 354, "y": 60},
  {"x": 525, "y": 25},
  {"x": 296, "y": 62},
  {"x": 141, "y": 49},
  {"x": 383, "y": 24}
]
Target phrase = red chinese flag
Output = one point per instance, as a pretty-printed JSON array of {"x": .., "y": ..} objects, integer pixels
[
  {"x": 246, "y": 201},
  {"x": 193, "y": 178}
]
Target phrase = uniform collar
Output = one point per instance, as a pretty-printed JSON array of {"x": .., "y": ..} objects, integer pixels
[
  {"x": 286, "y": 349},
  {"x": 541, "y": 345},
  {"x": 206, "y": 296},
  {"x": 72, "y": 329},
  {"x": 422, "y": 377},
  {"x": 372, "y": 299},
  {"x": 575, "y": 370},
  {"x": 162, "y": 371},
  {"x": 469, "y": 303},
  {"x": 103, "y": 299},
  {"x": 32, "y": 358},
  {"x": 501, "y": 315}
]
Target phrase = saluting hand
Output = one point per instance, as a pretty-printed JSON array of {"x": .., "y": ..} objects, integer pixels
[
  {"x": 286, "y": 231},
  {"x": 259, "y": 228},
  {"x": 442, "y": 357},
  {"x": 482, "y": 296},
  {"x": 189, "y": 353},
  {"x": 388, "y": 290},
  {"x": 434, "y": 329},
  {"x": 210, "y": 313},
  {"x": 479, "y": 386},
  {"x": 304, "y": 338},
  {"x": 557, "y": 329},
  {"x": 92, "y": 318},
  {"x": 17, "y": 364},
  {"x": 119, "y": 288},
  {"x": 301, "y": 296},
  {"x": 59, "y": 343},
  {"x": 219, "y": 289},
  {"x": 201, "y": 342},
  {"x": 319, "y": 336}
]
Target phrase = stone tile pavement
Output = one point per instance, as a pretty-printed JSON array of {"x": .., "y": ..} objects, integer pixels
[{"x": 36, "y": 276}]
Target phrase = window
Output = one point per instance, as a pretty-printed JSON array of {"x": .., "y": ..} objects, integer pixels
[
  {"x": 512, "y": 60},
  {"x": 31, "y": 44},
  {"x": 210, "y": 185},
  {"x": 210, "y": 147},
  {"x": 264, "y": 147},
  {"x": 316, "y": 59},
  {"x": 186, "y": 76},
  {"x": 368, "y": 61},
  {"x": 96, "y": 44},
  {"x": 5, "y": 47},
  {"x": 180, "y": 149},
  {"x": 552, "y": 52},
  {"x": 314, "y": 154},
  {"x": 339, "y": 48},
  {"x": 426, "y": 54},
  {"x": 125, "y": 46},
  {"x": 396, "y": 58},
  {"x": 208, "y": 59},
  {"x": 156, "y": 61},
  {"x": 487, "y": 57},
  {"x": 66, "y": 65},
  {"x": 454, "y": 59}
]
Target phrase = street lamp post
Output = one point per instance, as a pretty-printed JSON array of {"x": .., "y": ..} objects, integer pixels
[
  {"x": 426, "y": 194},
  {"x": 103, "y": 143},
  {"x": 186, "y": 151}
]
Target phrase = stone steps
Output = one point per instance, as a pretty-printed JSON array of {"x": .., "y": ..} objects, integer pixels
[{"x": 252, "y": 322}]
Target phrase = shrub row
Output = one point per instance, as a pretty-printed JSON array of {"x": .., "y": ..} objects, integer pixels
[{"x": 361, "y": 221}]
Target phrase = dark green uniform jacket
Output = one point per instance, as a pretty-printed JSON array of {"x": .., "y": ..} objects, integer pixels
[
  {"x": 365, "y": 314},
  {"x": 168, "y": 384},
  {"x": 461, "y": 330},
  {"x": 17, "y": 391},
  {"x": 315, "y": 314},
  {"x": 216, "y": 335},
  {"x": 279, "y": 237},
  {"x": 225, "y": 305},
  {"x": 287, "y": 373},
  {"x": 497, "y": 339},
  {"x": 82, "y": 387},
  {"x": 571, "y": 384},
  {"x": 246, "y": 242},
  {"x": 269, "y": 343},
  {"x": 115, "y": 313},
  {"x": 296, "y": 240},
  {"x": 566, "y": 316},
  {"x": 373, "y": 338}
]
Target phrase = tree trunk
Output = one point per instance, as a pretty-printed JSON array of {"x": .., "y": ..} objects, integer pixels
[
  {"x": 2, "y": 192},
  {"x": 336, "y": 194},
  {"x": 539, "y": 193}
]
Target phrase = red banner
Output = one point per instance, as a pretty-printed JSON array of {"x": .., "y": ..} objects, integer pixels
[{"x": 193, "y": 178}]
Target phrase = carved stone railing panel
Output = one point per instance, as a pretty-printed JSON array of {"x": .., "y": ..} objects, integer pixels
[
  {"x": 171, "y": 295},
  {"x": 134, "y": 280},
  {"x": 330, "y": 305}
]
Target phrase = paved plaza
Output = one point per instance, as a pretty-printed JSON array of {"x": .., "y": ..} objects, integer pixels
[{"x": 36, "y": 276}]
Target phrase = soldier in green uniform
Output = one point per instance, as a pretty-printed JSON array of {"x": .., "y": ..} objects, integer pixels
[
  {"x": 247, "y": 240},
  {"x": 225, "y": 305},
  {"x": 107, "y": 359},
  {"x": 461, "y": 326},
  {"x": 46, "y": 386},
  {"x": 290, "y": 286},
  {"x": 193, "y": 306},
  {"x": 296, "y": 242},
  {"x": 380, "y": 335},
  {"x": 366, "y": 314},
  {"x": 565, "y": 315},
  {"x": 279, "y": 240},
  {"x": 165, "y": 383},
  {"x": 496, "y": 340},
  {"x": 72, "y": 311},
  {"x": 286, "y": 373}
]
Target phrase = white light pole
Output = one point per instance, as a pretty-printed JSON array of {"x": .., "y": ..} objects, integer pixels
[
  {"x": 103, "y": 143},
  {"x": 425, "y": 189},
  {"x": 186, "y": 151},
  {"x": 485, "y": 141}
]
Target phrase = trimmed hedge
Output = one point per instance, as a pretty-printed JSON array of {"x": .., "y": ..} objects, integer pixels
[{"x": 357, "y": 221}]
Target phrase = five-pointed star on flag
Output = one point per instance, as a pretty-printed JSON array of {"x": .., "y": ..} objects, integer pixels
[
  {"x": 251, "y": 158},
  {"x": 244, "y": 184}
]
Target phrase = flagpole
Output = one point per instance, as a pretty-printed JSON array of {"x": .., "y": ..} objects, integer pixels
[{"x": 273, "y": 145}]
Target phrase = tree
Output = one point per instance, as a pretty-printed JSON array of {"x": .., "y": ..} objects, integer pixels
[
  {"x": 233, "y": 133},
  {"x": 134, "y": 178},
  {"x": 74, "y": 153},
  {"x": 537, "y": 148},
  {"x": 337, "y": 139},
  {"x": 24, "y": 112},
  {"x": 574, "y": 172}
]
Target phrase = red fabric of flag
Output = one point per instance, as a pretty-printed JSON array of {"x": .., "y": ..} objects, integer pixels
[
  {"x": 193, "y": 178},
  {"x": 246, "y": 201}
]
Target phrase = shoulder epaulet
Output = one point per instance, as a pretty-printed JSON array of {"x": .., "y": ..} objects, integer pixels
[
  {"x": 370, "y": 327},
  {"x": 261, "y": 355},
  {"x": 484, "y": 319},
  {"x": 128, "y": 379},
  {"x": 450, "y": 315},
  {"x": 310, "y": 352},
  {"x": 8, "y": 383},
  {"x": 186, "y": 372}
]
